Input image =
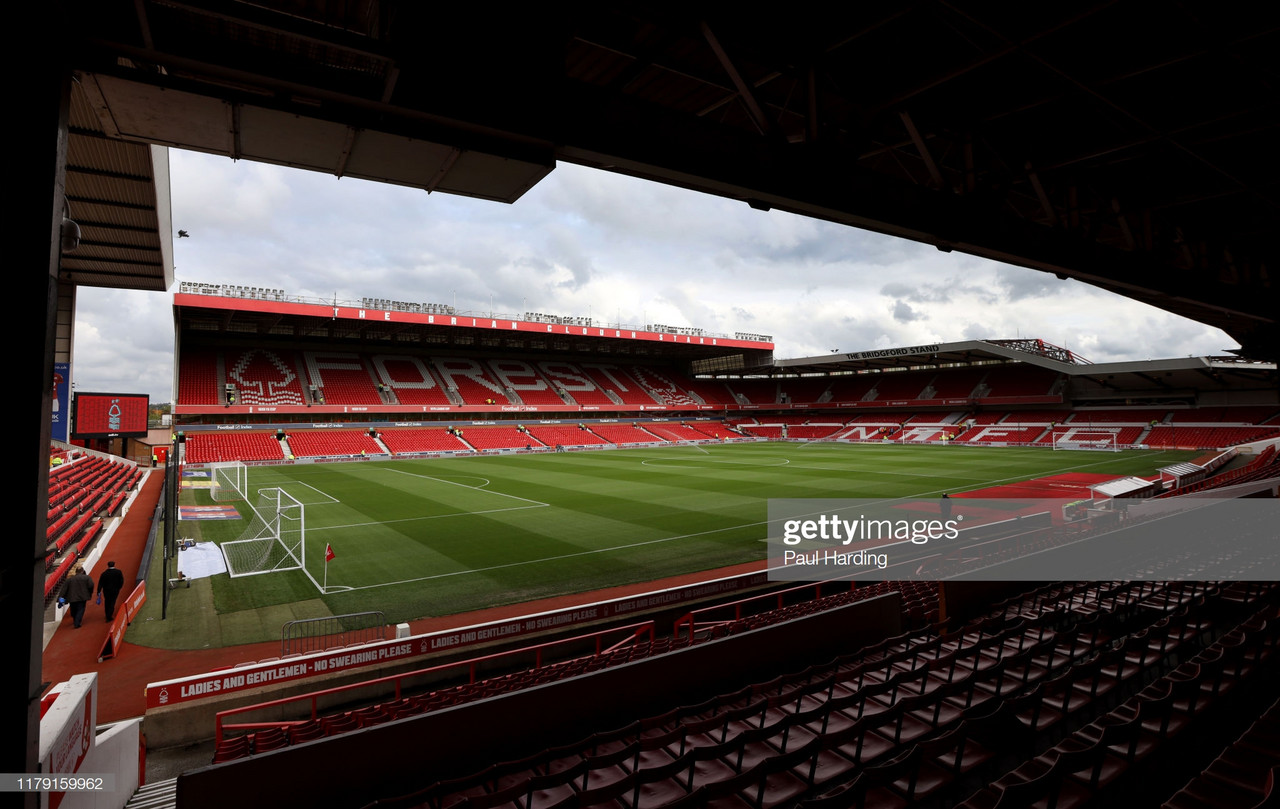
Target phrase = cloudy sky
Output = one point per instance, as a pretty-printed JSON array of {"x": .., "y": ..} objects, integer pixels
[{"x": 589, "y": 243}]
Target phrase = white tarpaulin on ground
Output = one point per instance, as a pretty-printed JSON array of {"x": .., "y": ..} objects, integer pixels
[{"x": 201, "y": 560}]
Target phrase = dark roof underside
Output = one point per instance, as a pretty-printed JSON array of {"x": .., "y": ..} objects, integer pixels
[{"x": 1130, "y": 145}]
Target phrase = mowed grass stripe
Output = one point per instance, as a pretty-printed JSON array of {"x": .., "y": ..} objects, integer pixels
[{"x": 447, "y": 531}]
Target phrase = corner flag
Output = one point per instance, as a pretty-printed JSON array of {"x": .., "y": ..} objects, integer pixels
[{"x": 328, "y": 553}]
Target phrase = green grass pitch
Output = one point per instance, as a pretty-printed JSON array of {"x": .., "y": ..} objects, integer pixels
[{"x": 416, "y": 538}]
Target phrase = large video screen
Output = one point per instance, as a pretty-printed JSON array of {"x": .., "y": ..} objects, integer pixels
[{"x": 110, "y": 415}]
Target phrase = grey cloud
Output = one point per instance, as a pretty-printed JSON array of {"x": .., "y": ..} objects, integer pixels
[{"x": 903, "y": 313}]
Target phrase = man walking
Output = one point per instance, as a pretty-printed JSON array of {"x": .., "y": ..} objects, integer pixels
[
  {"x": 77, "y": 590},
  {"x": 110, "y": 583}
]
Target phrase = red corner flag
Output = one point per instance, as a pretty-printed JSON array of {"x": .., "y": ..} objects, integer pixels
[{"x": 328, "y": 553}]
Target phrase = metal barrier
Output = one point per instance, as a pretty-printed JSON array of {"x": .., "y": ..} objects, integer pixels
[
  {"x": 331, "y": 632},
  {"x": 734, "y": 610},
  {"x": 631, "y": 634}
]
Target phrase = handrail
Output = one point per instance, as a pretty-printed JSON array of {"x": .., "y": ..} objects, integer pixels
[
  {"x": 776, "y": 596},
  {"x": 636, "y": 631}
]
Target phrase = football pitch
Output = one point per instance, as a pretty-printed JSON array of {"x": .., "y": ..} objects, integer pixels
[{"x": 418, "y": 538}]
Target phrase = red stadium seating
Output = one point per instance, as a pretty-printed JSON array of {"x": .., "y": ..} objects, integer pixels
[
  {"x": 264, "y": 377},
  {"x": 198, "y": 381},
  {"x": 525, "y": 381},
  {"x": 564, "y": 435},
  {"x": 211, "y": 447},
  {"x": 575, "y": 382},
  {"x": 472, "y": 380},
  {"x": 956, "y": 384},
  {"x": 805, "y": 391},
  {"x": 409, "y": 380},
  {"x": 624, "y": 434},
  {"x": 615, "y": 379},
  {"x": 341, "y": 378},
  {"x": 323, "y": 443},
  {"x": 1208, "y": 437},
  {"x": 498, "y": 438},
  {"x": 756, "y": 391},
  {"x": 408, "y": 440}
]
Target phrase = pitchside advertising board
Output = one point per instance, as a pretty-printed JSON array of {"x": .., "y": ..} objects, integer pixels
[
  {"x": 244, "y": 678},
  {"x": 110, "y": 415}
]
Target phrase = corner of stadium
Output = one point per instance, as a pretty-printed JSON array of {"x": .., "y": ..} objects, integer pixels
[{"x": 388, "y": 553}]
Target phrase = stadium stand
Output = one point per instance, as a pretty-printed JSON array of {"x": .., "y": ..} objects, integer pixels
[
  {"x": 198, "y": 380},
  {"x": 955, "y": 384},
  {"x": 1226, "y": 415},
  {"x": 710, "y": 391},
  {"x": 564, "y": 435},
  {"x": 1018, "y": 381},
  {"x": 575, "y": 383},
  {"x": 1031, "y": 416},
  {"x": 1118, "y": 416},
  {"x": 211, "y": 447},
  {"x": 471, "y": 380},
  {"x": 1207, "y": 437},
  {"x": 676, "y": 432},
  {"x": 1124, "y": 436},
  {"x": 1002, "y": 434},
  {"x": 1069, "y": 693},
  {"x": 617, "y": 384},
  {"x": 525, "y": 381},
  {"x": 406, "y": 441},
  {"x": 756, "y": 391},
  {"x": 900, "y": 386},
  {"x": 983, "y": 702},
  {"x": 662, "y": 388},
  {"x": 805, "y": 391},
  {"x": 852, "y": 388},
  {"x": 483, "y": 438},
  {"x": 263, "y": 377},
  {"x": 409, "y": 380},
  {"x": 714, "y": 430},
  {"x": 333, "y": 443},
  {"x": 341, "y": 378},
  {"x": 625, "y": 434}
]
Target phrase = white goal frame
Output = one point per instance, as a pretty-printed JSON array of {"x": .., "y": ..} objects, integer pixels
[
  {"x": 274, "y": 541},
  {"x": 1106, "y": 440},
  {"x": 230, "y": 481}
]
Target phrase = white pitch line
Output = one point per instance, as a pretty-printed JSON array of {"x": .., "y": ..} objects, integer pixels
[
  {"x": 639, "y": 544},
  {"x": 332, "y": 499},
  {"x": 428, "y": 517},
  {"x": 465, "y": 486},
  {"x": 695, "y": 463},
  {"x": 592, "y": 552}
]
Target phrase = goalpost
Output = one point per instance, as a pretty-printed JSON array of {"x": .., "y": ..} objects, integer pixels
[
  {"x": 230, "y": 481},
  {"x": 275, "y": 540},
  {"x": 1094, "y": 438}
]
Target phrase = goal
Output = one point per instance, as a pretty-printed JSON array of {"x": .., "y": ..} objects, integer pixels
[
  {"x": 1093, "y": 438},
  {"x": 275, "y": 539},
  {"x": 230, "y": 481}
]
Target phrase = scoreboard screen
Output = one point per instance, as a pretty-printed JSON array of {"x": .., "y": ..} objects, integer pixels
[{"x": 110, "y": 415}]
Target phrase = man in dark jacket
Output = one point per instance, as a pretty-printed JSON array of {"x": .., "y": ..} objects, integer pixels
[
  {"x": 77, "y": 591},
  {"x": 110, "y": 583}
]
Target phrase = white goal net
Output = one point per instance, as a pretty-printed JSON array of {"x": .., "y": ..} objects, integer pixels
[
  {"x": 1094, "y": 438},
  {"x": 230, "y": 482},
  {"x": 275, "y": 539}
]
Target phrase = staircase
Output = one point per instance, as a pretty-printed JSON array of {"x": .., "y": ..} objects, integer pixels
[{"x": 159, "y": 795}]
